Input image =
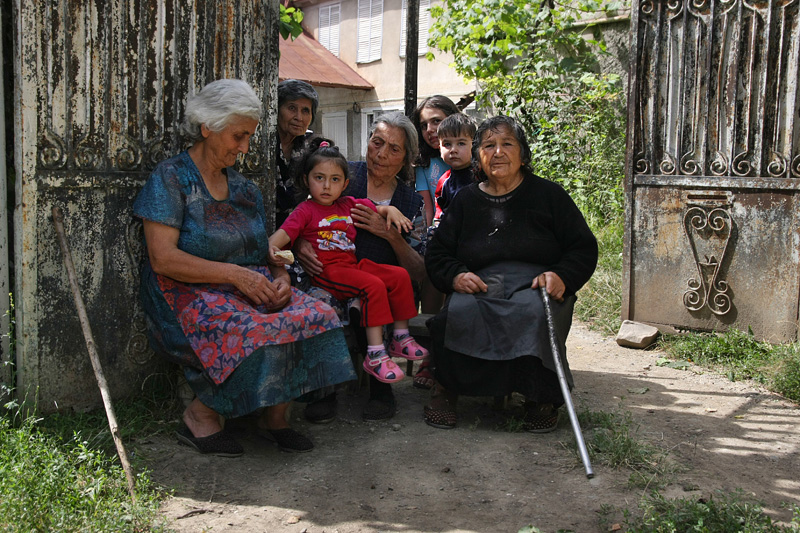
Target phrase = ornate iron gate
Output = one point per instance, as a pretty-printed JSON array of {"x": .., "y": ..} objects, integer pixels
[
  {"x": 713, "y": 166},
  {"x": 100, "y": 89}
]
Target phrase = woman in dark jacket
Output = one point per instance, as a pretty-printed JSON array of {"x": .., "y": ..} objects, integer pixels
[{"x": 500, "y": 238}]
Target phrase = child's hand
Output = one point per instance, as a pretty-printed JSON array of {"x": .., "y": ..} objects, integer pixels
[
  {"x": 395, "y": 218},
  {"x": 280, "y": 257}
]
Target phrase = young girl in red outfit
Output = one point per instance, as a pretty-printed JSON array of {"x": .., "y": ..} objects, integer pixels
[{"x": 385, "y": 290}]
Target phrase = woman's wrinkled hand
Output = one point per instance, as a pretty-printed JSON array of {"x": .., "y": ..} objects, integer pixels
[
  {"x": 469, "y": 283},
  {"x": 307, "y": 257},
  {"x": 552, "y": 283},
  {"x": 257, "y": 287},
  {"x": 367, "y": 219},
  {"x": 283, "y": 293}
]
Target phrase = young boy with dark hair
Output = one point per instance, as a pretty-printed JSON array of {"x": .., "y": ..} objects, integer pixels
[{"x": 455, "y": 145}]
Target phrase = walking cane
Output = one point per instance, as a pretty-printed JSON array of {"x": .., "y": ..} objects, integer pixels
[
  {"x": 562, "y": 380},
  {"x": 58, "y": 221}
]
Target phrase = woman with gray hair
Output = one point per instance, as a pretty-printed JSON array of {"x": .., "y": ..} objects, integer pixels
[
  {"x": 297, "y": 107},
  {"x": 385, "y": 178},
  {"x": 510, "y": 232},
  {"x": 247, "y": 340}
]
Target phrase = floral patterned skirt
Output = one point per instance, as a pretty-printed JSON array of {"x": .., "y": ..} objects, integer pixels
[{"x": 238, "y": 356}]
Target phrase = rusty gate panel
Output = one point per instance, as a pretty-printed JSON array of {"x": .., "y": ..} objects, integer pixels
[
  {"x": 713, "y": 161},
  {"x": 100, "y": 89}
]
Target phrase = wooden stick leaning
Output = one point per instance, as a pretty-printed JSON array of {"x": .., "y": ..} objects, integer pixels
[{"x": 58, "y": 221}]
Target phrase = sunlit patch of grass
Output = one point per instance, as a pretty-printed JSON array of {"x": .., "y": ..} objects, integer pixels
[
  {"x": 613, "y": 440},
  {"x": 739, "y": 355},
  {"x": 600, "y": 300},
  {"x": 50, "y": 485},
  {"x": 721, "y": 512}
]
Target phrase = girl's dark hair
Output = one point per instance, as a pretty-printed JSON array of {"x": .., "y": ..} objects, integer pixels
[
  {"x": 442, "y": 103},
  {"x": 313, "y": 154},
  {"x": 495, "y": 124}
]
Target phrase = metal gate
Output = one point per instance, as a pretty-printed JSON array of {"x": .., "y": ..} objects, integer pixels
[
  {"x": 100, "y": 89},
  {"x": 713, "y": 166}
]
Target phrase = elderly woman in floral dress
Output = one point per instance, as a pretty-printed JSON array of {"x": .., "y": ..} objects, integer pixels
[{"x": 247, "y": 340}]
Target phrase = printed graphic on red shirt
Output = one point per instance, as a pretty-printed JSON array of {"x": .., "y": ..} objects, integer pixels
[{"x": 332, "y": 233}]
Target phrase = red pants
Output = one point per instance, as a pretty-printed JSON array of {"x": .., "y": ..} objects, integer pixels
[{"x": 385, "y": 290}]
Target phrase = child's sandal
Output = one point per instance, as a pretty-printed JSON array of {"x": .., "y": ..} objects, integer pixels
[
  {"x": 406, "y": 347},
  {"x": 383, "y": 369}
]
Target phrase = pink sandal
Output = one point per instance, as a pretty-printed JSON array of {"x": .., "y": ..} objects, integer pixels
[
  {"x": 383, "y": 368},
  {"x": 407, "y": 348}
]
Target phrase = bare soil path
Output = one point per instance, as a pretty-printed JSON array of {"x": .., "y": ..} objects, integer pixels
[{"x": 402, "y": 475}]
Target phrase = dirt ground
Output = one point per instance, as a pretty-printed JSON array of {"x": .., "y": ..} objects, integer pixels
[{"x": 401, "y": 475}]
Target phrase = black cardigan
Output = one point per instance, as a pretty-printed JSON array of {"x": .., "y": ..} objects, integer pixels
[{"x": 536, "y": 223}]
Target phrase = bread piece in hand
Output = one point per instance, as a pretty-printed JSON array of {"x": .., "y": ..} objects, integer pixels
[{"x": 287, "y": 255}]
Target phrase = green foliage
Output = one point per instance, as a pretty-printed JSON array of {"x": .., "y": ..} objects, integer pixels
[
  {"x": 723, "y": 513},
  {"x": 739, "y": 356},
  {"x": 49, "y": 485},
  {"x": 142, "y": 416},
  {"x": 600, "y": 300},
  {"x": 532, "y": 62},
  {"x": 615, "y": 441},
  {"x": 786, "y": 376},
  {"x": 735, "y": 352},
  {"x": 290, "y": 19},
  {"x": 7, "y": 389}
]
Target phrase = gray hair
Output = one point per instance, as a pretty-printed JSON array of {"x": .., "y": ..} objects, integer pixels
[
  {"x": 291, "y": 90},
  {"x": 217, "y": 104},
  {"x": 396, "y": 119}
]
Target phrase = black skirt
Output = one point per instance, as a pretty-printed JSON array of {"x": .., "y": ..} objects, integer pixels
[{"x": 499, "y": 366}]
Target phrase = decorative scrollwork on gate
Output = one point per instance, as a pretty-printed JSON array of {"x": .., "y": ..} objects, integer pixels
[
  {"x": 796, "y": 167},
  {"x": 137, "y": 349},
  {"x": 710, "y": 226}
]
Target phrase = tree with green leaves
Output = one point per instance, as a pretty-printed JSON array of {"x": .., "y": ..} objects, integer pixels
[
  {"x": 533, "y": 60},
  {"x": 290, "y": 19}
]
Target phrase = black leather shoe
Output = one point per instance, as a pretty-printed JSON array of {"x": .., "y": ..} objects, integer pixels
[
  {"x": 379, "y": 407},
  {"x": 321, "y": 411}
]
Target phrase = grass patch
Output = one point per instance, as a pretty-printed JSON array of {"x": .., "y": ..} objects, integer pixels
[
  {"x": 785, "y": 375},
  {"x": 600, "y": 300},
  {"x": 613, "y": 439},
  {"x": 722, "y": 512},
  {"x": 738, "y": 355},
  {"x": 49, "y": 484}
]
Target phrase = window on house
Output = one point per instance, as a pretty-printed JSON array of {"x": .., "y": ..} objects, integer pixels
[
  {"x": 424, "y": 25},
  {"x": 329, "y": 27},
  {"x": 370, "y": 30}
]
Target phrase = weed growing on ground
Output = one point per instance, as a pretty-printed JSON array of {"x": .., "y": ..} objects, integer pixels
[
  {"x": 786, "y": 371},
  {"x": 136, "y": 417},
  {"x": 512, "y": 424},
  {"x": 614, "y": 441},
  {"x": 600, "y": 300},
  {"x": 721, "y": 512},
  {"x": 739, "y": 355},
  {"x": 50, "y": 485}
]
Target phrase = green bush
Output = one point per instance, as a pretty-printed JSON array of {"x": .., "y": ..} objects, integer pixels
[
  {"x": 722, "y": 513},
  {"x": 532, "y": 61},
  {"x": 600, "y": 300},
  {"x": 47, "y": 484},
  {"x": 738, "y": 354},
  {"x": 786, "y": 376}
]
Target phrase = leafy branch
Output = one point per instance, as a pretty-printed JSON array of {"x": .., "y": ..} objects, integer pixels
[
  {"x": 538, "y": 62},
  {"x": 290, "y": 19}
]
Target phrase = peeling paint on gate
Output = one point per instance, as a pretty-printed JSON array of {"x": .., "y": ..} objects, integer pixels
[
  {"x": 101, "y": 88},
  {"x": 714, "y": 113}
]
